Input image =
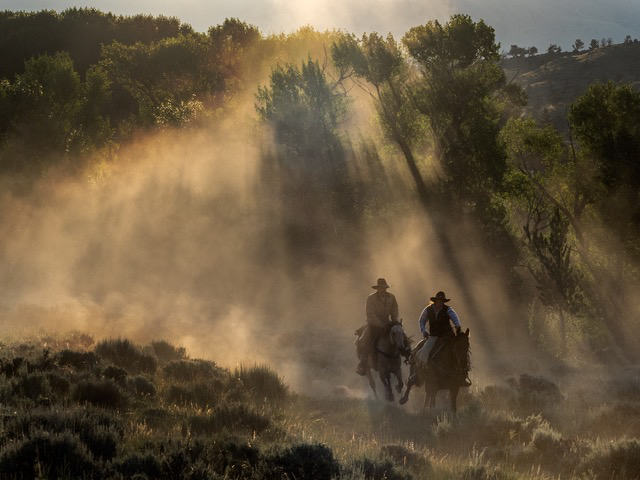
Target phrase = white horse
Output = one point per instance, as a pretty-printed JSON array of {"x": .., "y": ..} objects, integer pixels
[{"x": 386, "y": 358}]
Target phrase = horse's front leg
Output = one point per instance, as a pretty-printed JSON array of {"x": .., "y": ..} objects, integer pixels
[
  {"x": 372, "y": 382},
  {"x": 429, "y": 397},
  {"x": 411, "y": 381},
  {"x": 386, "y": 381},
  {"x": 453, "y": 393},
  {"x": 400, "y": 384}
]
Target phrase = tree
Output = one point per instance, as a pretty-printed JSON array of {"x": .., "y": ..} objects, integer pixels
[
  {"x": 593, "y": 45},
  {"x": 628, "y": 40},
  {"x": 531, "y": 51},
  {"x": 380, "y": 63},
  {"x": 578, "y": 45},
  {"x": 516, "y": 51},
  {"x": 558, "y": 280},
  {"x": 303, "y": 110},
  {"x": 46, "y": 100},
  {"x": 606, "y": 120},
  {"x": 80, "y": 32},
  {"x": 458, "y": 95},
  {"x": 167, "y": 80},
  {"x": 553, "y": 48}
]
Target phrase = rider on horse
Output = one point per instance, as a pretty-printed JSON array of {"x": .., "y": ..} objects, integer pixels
[
  {"x": 439, "y": 317},
  {"x": 382, "y": 310}
]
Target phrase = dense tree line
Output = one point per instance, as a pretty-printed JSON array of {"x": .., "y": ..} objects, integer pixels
[{"x": 74, "y": 84}]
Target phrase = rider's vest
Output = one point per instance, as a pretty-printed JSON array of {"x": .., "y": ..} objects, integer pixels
[{"x": 441, "y": 325}]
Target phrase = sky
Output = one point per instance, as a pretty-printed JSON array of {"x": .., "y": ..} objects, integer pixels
[{"x": 524, "y": 23}]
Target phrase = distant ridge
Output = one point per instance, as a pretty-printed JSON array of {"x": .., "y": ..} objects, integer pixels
[{"x": 554, "y": 81}]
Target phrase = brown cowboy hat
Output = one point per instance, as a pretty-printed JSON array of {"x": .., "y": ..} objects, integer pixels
[
  {"x": 440, "y": 296},
  {"x": 382, "y": 283}
]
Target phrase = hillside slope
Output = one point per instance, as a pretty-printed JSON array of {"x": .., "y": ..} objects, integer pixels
[{"x": 554, "y": 81}]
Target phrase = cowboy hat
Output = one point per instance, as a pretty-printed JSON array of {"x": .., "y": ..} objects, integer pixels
[
  {"x": 382, "y": 283},
  {"x": 440, "y": 296}
]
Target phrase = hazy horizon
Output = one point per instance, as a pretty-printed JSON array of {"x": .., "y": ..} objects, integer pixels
[{"x": 521, "y": 23}]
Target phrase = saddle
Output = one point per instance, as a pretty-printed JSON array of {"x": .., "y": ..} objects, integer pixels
[{"x": 441, "y": 342}]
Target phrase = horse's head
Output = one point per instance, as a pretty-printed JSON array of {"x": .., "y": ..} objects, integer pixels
[
  {"x": 397, "y": 336},
  {"x": 461, "y": 348}
]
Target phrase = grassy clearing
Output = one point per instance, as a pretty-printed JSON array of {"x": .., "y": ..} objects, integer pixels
[{"x": 119, "y": 410}]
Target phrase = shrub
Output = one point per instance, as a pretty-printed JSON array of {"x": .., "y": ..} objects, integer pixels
[
  {"x": 59, "y": 384},
  {"x": 158, "y": 418},
  {"x": 123, "y": 353},
  {"x": 402, "y": 456},
  {"x": 547, "y": 442},
  {"x": 60, "y": 455},
  {"x": 191, "y": 370},
  {"x": 262, "y": 383},
  {"x": 615, "y": 420},
  {"x": 117, "y": 374},
  {"x": 104, "y": 393},
  {"x": 34, "y": 386},
  {"x": 199, "y": 394},
  {"x": 620, "y": 460},
  {"x": 165, "y": 352},
  {"x": 11, "y": 367},
  {"x": 78, "y": 360},
  {"x": 142, "y": 386},
  {"x": 481, "y": 472},
  {"x": 232, "y": 460},
  {"x": 301, "y": 461},
  {"x": 375, "y": 470},
  {"x": 140, "y": 464},
  {"x": 625, "y": 387},
  {"x": 528, "y": 385},
  {"x": 232, "y": 417},
  {"x": 98, "y": 431},
  {"x": 526, "y": 394}
]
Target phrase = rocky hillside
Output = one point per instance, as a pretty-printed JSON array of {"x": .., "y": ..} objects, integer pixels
[{"x": 554, "y": 81}]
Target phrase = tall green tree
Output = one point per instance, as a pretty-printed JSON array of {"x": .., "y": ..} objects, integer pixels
[
  {"x": 461, "y": 93},
  {"x": 44, "y": 101},
  {"x": 303, "y": 110},
  {"x": 165, "y": 79},
  {"x": 558, "y": 280},
  {"x": 379, "y": 67}
]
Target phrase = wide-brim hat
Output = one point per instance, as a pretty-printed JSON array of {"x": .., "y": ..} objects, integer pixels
[
  {"x": 382, "y": 283},
  {"x": 440, "y": 296}
]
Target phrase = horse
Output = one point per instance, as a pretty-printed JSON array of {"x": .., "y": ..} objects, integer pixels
[
  {"x": 389, "y": 346},
  {"x": 446, "y": 370}
]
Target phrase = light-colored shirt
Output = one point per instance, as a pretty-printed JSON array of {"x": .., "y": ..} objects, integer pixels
[
  {"x": 424, "y": 318},
  {"x": 380, "y": 308}
]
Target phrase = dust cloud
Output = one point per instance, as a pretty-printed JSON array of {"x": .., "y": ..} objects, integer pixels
[{"x": 181, "y": 238}]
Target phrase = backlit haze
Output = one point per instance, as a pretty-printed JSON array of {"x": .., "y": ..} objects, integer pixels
[
  {"x": 521, "y": 22},
  {"x": 181, "y": 241}
]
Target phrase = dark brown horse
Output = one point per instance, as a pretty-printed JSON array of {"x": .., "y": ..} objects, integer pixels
[{"x": 446, "y": 370}]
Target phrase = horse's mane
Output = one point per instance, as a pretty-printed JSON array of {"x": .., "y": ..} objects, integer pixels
[{"x": 394, "y": 323}]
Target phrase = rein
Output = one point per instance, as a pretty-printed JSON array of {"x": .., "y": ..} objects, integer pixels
[
  {"x": 388, "y": 355},
  {"x": 396, "y": 350}
]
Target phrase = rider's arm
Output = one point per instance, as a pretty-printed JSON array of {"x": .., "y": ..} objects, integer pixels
[
  {"x": 423, "y": 321},
  {"x": 394, "y": 309},
  {"x": 454, "y": 317}
]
